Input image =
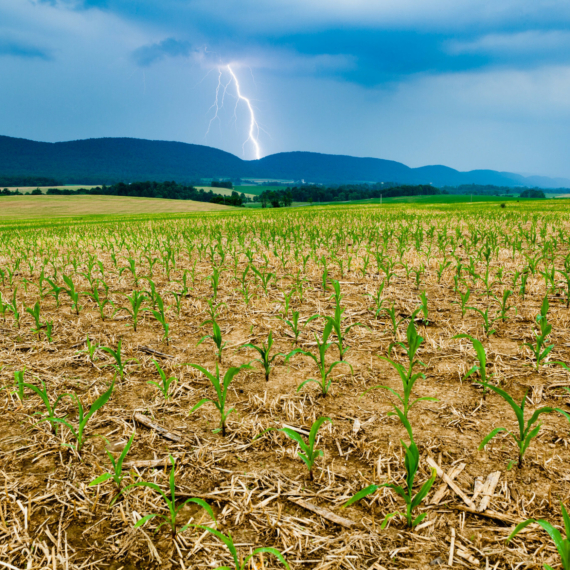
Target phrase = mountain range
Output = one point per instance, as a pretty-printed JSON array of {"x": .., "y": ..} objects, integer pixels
[{"x": 111, "y": 160}]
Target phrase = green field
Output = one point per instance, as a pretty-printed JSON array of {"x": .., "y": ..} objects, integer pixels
[{"x": 323, "y": 319}]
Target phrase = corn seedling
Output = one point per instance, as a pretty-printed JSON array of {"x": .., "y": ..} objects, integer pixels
[
  {"x": 165, "y": 382},
  {"x": 320, "y": 360},
  {"x": 216, "y": 337},
  {"x": 481, "y": 357},
  {"x": 487, "y": 320},
  {"x": 464, "y": 300},
  {"x": 539, "y": 348},
  {"x": 411, "y": 464},
  {"x": 221, "y": 387},
  {"x": 170, "y": 502},
  {"x": 83, "y": 418},
  {"x": 264, "y": 351},
  {"x": 101, "y": 303},
  {"x": 526, "y": 433},
  {"x": 378, "y": 307},
  {"x": 294, "y": 324},
  {"x": 407, "y": 376},
  {"x": 136, "y": 300},
  {"x": 119, "y": 364},
  {"x": 35, "y": 313},
  {"x": 340, "y": 331},
  {"x": 90, "y": 350},
  {"x": 73, "y": 294},
  {"x": 117, "y": 474},
  {"x": 504, "y": 306},
  {"x": 239, "y": 563},
  {"x": 160, "y": 315},
  {"x": 49, "y": 415},
  {"x": 562, "y": 544},
  {"x": 308, "y": 452},
  {"x": 55, "y": 291}
]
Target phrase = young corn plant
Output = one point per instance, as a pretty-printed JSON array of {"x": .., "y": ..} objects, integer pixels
[
  {"x": 173, "y": 510},
  {"x": 243, "y": 563},
  {"x": 264, "y": 351},
  {"x": 394, "y": 314},
  {"x": 49, "y": 415},
  {"x": 407, "y": 376},
  {"x": 216, "y": 337},
  {"x": 464, "y": 300},
  {"x": 561, "y": 543},
  {"x": 73, "y": 294},
  {"x": 487, "y": 320},
  {"x": 423, "y": 308},
  {"x": 160, "y": 315},
  {"x": 55, "y": 291},
  {"x": 504, "y": 306},
  {"x": 165, "y": 383},
  {"x": 526, "y": 432},
  {"x": 119, "y": 364},
  {"x": 481, "y": 367},
  {"x": 308, "y": 452},
  {"x": 136, "y": 300},
  {"x": 35, "y": 313},
  {"x": 340, "y": 331},
  {"x": 117, "y": 473},
  {"x": 101, "y": 303},
  {"x": 411, "y": 464},
  {"x": 83, "y": 418},
  {"x": 320, "y": 360},
  {"x": 221, "y": 386},
  {"x": 294, "y": 324},
  {"x": 378, "y": 307},
  {"x": 539, "y": 348},
  {"x": 13, "y": 306},
  {"x": 90, "y": 350}
]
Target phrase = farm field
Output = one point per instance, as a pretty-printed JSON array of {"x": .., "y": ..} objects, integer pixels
[
  {"x": 227, "y": 191},
  {"x": 25, "y": 207},
  {"x": 392, "y": 339}
]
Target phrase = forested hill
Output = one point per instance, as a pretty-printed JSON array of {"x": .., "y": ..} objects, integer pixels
[{"x": 111, "y": 160}]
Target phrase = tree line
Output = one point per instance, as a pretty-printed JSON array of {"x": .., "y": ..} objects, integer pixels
[
  {"x": 312, "y": 193},
  {"x": 167, "y": 190}
]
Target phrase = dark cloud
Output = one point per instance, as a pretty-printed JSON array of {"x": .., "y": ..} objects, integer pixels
[
  {"x": 17, "y": 49},
  {"x": 149, "y": 54}
]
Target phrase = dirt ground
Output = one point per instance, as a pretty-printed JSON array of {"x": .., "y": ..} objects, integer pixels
[{"x": 52, "y": 518}]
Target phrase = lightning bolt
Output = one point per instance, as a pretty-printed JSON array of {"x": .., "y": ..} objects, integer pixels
[{"x": 218, "y": 104}]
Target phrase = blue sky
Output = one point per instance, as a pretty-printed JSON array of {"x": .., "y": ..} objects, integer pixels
[{"x": 465, "y": 83}]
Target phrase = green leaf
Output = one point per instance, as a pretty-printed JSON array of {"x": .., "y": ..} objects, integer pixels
[
  {"x": 269, "y": 550},
  {"x": 200, "y": 403},
  {"x": 101, "y": 479},
  {"x": 143, "y": 520},
  {"x": 490, "y": 437},
  {"x": 361, "y": 494}
]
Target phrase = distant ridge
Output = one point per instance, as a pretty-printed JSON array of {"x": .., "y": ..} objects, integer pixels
[{"x": 110, "y": 160}]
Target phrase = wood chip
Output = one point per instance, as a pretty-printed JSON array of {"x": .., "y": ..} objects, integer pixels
[
  {"x": 450, "y": 483},
  {"x": 298, "y": 430},
  {"x": 146, "y": 421},
  {"x": 356, "y": 426},
  {"x": 489, "y": 489},
  {"x": 153, "y": 352},
  {"x": 477, "y": 488},
  {"x": 451, "y": 548},
  {"x": 146, "y": 463},
  {"x": 487, "y": 513},
  {"x": 453, "y": 474},
  {"x": 325, "y": 513}
]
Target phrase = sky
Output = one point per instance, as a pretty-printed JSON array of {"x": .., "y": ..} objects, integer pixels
[{"x": 466, "y": 83}]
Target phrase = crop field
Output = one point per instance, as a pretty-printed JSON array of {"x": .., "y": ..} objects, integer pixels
[
  {"x": 25, "y": 207},
  {"x": 326, "y": 388}
]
